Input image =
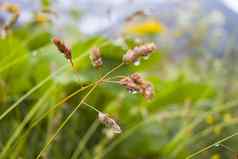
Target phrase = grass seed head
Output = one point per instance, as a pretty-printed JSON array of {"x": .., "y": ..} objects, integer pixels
[
  {"x": 95, "y": 56},
  {"x": 63, "y": 49},
  {"x": 109, "y": 122},
  {"x": 135, "y": 83},
  {"x": 130, "y": 85},
  {"x": 138, "y": 52}
]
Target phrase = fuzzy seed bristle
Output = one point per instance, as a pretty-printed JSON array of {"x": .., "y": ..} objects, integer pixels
[
  {"x": 95, "y": 56},
  {"x": 135, "y": 83},
  {"x": 63, "y": 48},
  {"x": 109, "y": 122},
  {"x": 137, "y": 52}
]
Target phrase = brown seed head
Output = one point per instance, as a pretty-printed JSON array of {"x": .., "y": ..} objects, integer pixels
[
  {"x": 147, "y": 49},
  {"x": 148, "y": 91},
  {"x": 96, "y": 58},
  {"x": 109, "y": 122},
  {"x": 137, "y": 78},
  {"x": 135, "y": 83},
  {"x": 63, "y": 48},
  {"x": 137, "y": 52},
  {"x": 130, "y": 85}
]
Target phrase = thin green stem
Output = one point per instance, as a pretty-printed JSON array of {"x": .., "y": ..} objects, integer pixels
[
  {"x": 227, "y": 148},
  {"x": 85, "y": 139},
  {"x": 130, "y": 131},
  {"x": 72, "y": 113},
  {"x": 10, "y": 64},
  {"x": 91, "y": 107},
  {"x": 32, "y": 90},
  {"x": 198, "y": 137},
  {"x": 56, "y": 105},
  {"x": 224, "y": 107},
  {"x": 109, "y": 81},
  {"x": 212, "y": 145},
  {"x": 28, "y": 117},
  {"x": 60, "y": 103}
]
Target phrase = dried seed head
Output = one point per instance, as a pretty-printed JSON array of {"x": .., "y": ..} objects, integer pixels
[
  {"x": 137, "y": 78},
  {"x": 147, "y": 49},
  {"x": 130, "y": 85},
  {"x": 63, "y": 49},
  {"x": 11, "y": 8},
  {"x": 130, "y": 57},
  {"x": 109, "y": 122},
  {"x": 137, "y": 52},
  {"x": 96, "y": 58},
  {"x": 134, "y": 15},
  {"x": 148, "y": 91},
  {"x": 135, "y": 83}
]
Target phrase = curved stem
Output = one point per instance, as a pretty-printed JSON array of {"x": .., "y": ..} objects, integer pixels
[
  {"x": 72, "y": 113},
  {"x": 129, "y": 132},
  {"x": 32, "y": 90},
  {"x": 91, "y": 107},
  {"x": 59, "y": 103},
  {"x": 210, "y": 146},
  {"x": 10, "y": 64},
  {"x": 224, "y": 107},
  {"x": 85, "y": 139}
]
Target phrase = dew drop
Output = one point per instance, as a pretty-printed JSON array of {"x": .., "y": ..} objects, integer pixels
[
  {"x": 132, "y": 91},
  {"x": 137, "y": 63},
  {"x": 217, "y": 145}
]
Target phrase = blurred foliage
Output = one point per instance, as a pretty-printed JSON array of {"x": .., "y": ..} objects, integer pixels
[{"x": 194, "y": 104}]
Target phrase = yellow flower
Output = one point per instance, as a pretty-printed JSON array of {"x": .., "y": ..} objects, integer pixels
[
  {"x": 215, "y": 156},
  {"x": 41, "y": 18},
  {"x": 210, "y": 120},
  {"x": 217, "y": 130},
  {"x": 148, "y": 27},
  {"x": 227, "y": 117}
]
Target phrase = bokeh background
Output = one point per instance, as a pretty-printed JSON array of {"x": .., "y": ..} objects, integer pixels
[{"x": 194, "y": 74}]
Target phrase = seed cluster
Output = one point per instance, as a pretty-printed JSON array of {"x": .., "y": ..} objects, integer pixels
[
  {"x": 15, "y": 11},
  {"x": 63, "y": 49},
  {"x": 109, "y": 122},
  {"x": 95, "y": 57},
  {"x": 135, "y": 83},
  {"x": 138, "y": 52}
]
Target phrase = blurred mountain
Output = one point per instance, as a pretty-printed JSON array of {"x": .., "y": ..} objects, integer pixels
[{"x": 230, "y": 15}]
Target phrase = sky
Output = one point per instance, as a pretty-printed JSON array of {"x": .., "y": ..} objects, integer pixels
[{"x": 232, "y": 4}]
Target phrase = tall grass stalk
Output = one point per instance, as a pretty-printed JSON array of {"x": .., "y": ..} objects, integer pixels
[
  {"x": 29, "y": 116},
  {"x": 32, "y": 90},
  {"x": 72, "y": 113}
]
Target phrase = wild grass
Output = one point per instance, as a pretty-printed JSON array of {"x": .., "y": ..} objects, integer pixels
[{"x": 49, "y": 109}]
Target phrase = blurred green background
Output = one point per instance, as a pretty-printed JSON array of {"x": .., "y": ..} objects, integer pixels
[{"x": 194, "y": 74}]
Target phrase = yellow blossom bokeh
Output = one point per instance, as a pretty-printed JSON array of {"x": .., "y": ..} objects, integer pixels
[
  {"x": 216, "y": 156},
  {"x": 41, "y": 18},
  {"x": 227, "y": 117},
  {"x": 147, "y": 27},
  {"x": 217, "y": 130},
  {"x": 210, "y": 120}
]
